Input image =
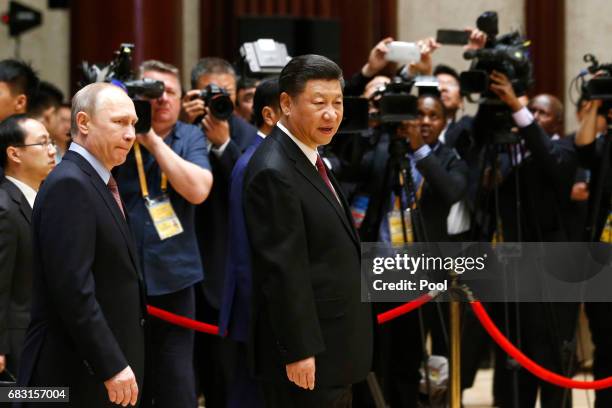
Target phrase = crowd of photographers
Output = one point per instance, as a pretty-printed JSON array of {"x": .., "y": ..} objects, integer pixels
[{"x": 188, "y": 156}]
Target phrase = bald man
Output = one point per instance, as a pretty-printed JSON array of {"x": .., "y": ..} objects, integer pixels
[
  {"x": 88, "y": 312},
  {"x": 547, "y": 111}
]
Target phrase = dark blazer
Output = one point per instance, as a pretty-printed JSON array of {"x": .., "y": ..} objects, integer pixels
[
  {"x": 15, "y": 271},
  {"x": 87, "y": 303},
  {"x": 545, "y": 181},
  {"x": 236, "y": 301},
  {"x": 212, "y": 214},
  {"x": 306, "y": 270},
  {"x": 444, "y": 183}
]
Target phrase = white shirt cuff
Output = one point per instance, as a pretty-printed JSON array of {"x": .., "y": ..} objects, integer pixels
[
  {"x": 422, "y": 152},
  {"x": 218, "y": 151},
  {"x": 523, "y": 117}
]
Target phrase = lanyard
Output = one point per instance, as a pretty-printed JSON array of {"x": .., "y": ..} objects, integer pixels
[{"x": 141, "y": 174}]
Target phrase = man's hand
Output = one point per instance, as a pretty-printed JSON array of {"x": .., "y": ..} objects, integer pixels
[
  {"x": 192, "y": 108},
  {"x": 149, "y": 140},
  {"x": 427, "y": 47},
  {"x": 377, "y": 59},
  {"x": 477, "y": 40},
  {"x": 587, "y": 129},
  {"x": 217, "y": 131},
  {"x": 409, "y": 130},
  {"x": 580, "y": 191},
  {"x": 2, "y": 362},
  {"x": 302, "y": 373},
  {"x": 122, "y": 388},
  {"x": 501, "y": 86}
]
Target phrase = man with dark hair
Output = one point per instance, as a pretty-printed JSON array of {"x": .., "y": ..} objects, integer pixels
[
  {"x": 18, "y": 87},
  {"x": 244, "y": 98},
  {"x": 45, "y": 103},
  {"x": 168, "y": 170},
  {"x": 61, "y": 132},
  {"x": 311, "y": 336},
  {"x": 226, "y": 141},
  {"x": 547, "y": 110},
  {"x": 27, "y": 156},
  {"x": 235, "y": 313}
]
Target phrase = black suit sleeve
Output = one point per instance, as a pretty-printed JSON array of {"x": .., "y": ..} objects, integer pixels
[
  {"x": 280, "y": 264},
  {"x": 8, "y": 251},
  {"x": 224, "y": 164},
  {"x": 450, "y": 182},
  {"x": 555, "y": 159},
  {"x": 355, "y": 85},
  {"x": 69, "y": 278}
]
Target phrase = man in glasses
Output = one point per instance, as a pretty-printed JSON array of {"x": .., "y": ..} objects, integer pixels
[{"x": 27, "y": 156}]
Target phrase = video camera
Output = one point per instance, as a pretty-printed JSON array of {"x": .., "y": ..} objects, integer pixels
[
  {"x": 507, "y": 54},
  {"x": 599, "y": 87},
  {"x": 119, "y": 72}
]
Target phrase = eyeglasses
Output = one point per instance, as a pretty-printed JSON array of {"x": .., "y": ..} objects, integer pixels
[{"x": 49, "y": 145}]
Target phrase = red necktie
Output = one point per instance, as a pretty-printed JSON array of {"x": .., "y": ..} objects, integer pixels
[
  {"x": 112, "y": 186},
  {"x": 323, "y": 173}
]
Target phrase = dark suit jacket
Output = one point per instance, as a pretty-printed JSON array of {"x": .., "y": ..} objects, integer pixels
[
  {"x": 545, "y": 182},
  {"x": 15, "y": 271},
  {"x": 306, "y": 270},
  {"x": 444, "y": 183},
  {"x": 87, "y": 303},
  {"x": 212, "y": 214},
  {"x": 235, "y": 308}
]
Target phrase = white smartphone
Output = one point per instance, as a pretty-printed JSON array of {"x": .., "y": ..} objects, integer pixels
[{"x": 403, "y": 52}]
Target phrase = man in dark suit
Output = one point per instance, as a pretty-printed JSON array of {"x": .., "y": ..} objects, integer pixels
[
  {"x": 226, "y": 141},
  {"x": 235, "y": 313},
  {"x": 87, "y": 328},
  {"x": 311, "y": 337},
  {"x": 27, "y": 155}
]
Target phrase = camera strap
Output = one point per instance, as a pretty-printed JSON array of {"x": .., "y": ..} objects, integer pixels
[{"x": 160, "y": 208}]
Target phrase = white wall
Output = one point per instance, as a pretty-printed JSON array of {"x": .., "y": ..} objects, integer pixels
[{"x": 47, "y": 47}]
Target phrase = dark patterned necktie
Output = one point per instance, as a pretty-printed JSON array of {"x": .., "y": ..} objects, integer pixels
[
  {"x": 112, "y": 186},
  {"x": 323, "y": 174}
]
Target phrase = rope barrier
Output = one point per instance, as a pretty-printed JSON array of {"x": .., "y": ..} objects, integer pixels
[
  {"x": 529, "y": 364},
  {"x": 182, "y": 321},
  {"x": 405, "y": 308}
]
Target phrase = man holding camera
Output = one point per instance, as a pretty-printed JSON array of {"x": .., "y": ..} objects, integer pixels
[
  {"x": 545, "y": 170},
  {"x": 228, "y": 136},
  {"x": 165, "y": 176}
]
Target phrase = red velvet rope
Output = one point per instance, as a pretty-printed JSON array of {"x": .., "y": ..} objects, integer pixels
[
  {"x": 529, "y": 364},
  {"x": 403, "y": 309},
  {"x": 182, "y": 321}
]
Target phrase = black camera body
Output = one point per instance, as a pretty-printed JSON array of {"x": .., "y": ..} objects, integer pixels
[
  {"x": 507, "y": 54},
  {"x": 599, "y": 87},
  {"x": 119, "y": 72},
  {"x": 218, "y": 101}
]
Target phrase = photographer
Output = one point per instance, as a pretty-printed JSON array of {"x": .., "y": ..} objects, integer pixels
[
  {"x": 589, "y": 146},
  {"x": 545, "y": 171},
  {"x": 440, "y": 180},
  {"x": 227, "y": 140},
  {"x": 244, "y": 98},
  {"x": 167, "y": 172}
]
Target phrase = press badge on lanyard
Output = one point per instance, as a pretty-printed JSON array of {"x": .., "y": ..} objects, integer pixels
[{"x": 160, "y": 209}]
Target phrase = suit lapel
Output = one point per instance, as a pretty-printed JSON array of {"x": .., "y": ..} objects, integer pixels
[
  {"x": 308, "y": 171},
  {"x": 108, "y": 199},
  {"x": 19, "y": 199}
]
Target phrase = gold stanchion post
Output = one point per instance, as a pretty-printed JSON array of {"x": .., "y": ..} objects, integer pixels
[{"x": 455, "y": 339}]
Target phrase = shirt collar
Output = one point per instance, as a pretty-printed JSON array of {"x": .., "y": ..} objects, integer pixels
[
  {"x": 261, "y": 134},
  {"x": 28, "y": 192},
  {"x": 310, "y": 153},
  {"x": 91, "y": 159}
]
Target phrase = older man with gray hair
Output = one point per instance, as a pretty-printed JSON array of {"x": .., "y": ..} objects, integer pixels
[{"x": 87, "y": 328}]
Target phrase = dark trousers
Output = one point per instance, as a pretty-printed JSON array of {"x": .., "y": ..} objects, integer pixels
[
  {"x": 290, "y": 395},
  {"x": 172, "y": 375},
  {"x": 546, "y": 336},
  {"x": 600, "y": 324}
]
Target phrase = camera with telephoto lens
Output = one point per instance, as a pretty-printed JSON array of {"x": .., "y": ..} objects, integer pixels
[
  {"x": 119, "y": 72},
  {"x": 217, "y": 100}
]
